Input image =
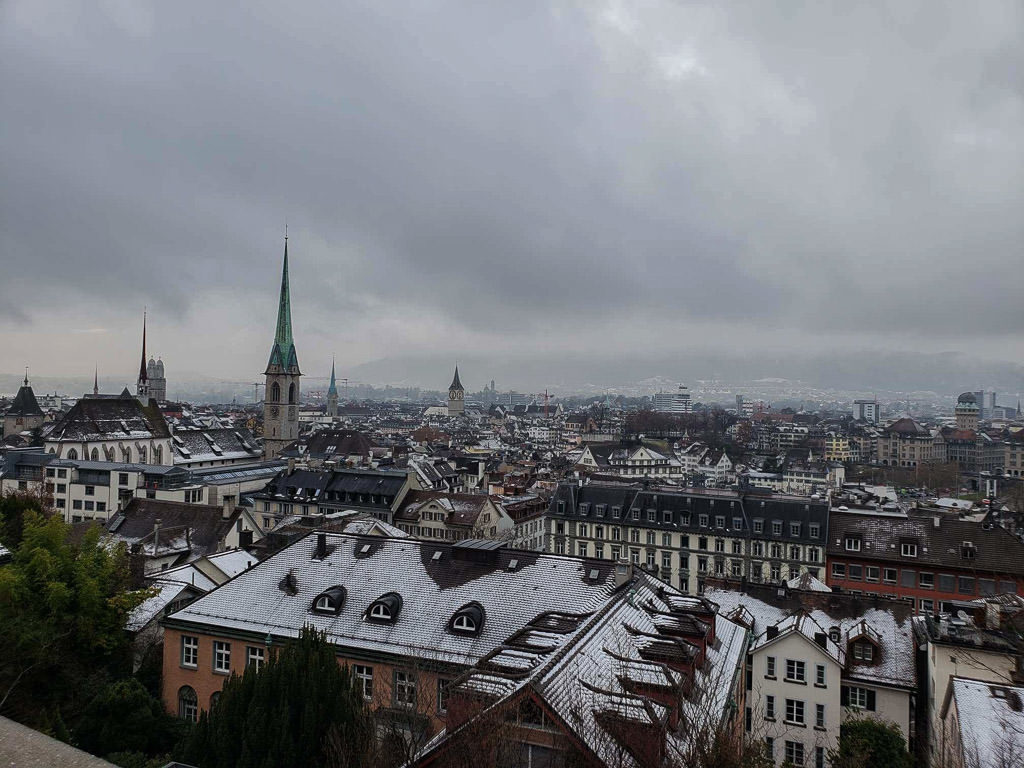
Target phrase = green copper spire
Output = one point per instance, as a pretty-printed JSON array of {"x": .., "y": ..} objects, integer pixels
[
  {"x": 282, "y": 355},
  {"x": 333, "y": 388}
]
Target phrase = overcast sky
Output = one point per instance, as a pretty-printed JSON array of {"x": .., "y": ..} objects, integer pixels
[{"x": 508, "y": 181}]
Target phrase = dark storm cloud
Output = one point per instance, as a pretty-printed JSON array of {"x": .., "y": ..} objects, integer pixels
[{"x": 520, "y": 168}]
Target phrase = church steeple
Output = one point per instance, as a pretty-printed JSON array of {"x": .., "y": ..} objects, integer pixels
[
  {"x": 96, "y": 381},
  {"x": 332, "y": 394},
  {"x": 283, "y": 358},
  {"x": 142, "y": 386},
  {"x": 281, "y": 402},
  {"x": 333, "y": 388}
]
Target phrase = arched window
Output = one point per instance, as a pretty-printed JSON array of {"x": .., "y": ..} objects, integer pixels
[
  {"x": 188, "y": 704},
  {"x": 142, "y": 455},
  {"x": 72, "y": 454},
  {"x": 291, "y": 392},
  {"x": 95, "y": 454},
  {"x": 158, "y": 455},
  {"x": 52, "y": 451},
  {"x": 381, "y": 612},
  {"x": 214, "y": 698},
  {"x": 464, "y": 623},
  {"x": 275, "y": 393}
]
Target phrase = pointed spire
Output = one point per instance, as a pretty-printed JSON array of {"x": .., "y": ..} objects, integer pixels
[
  {"x": 333, "y": 388},
  {"x": 282, "y": 354},
  {"x": 96, "y": 380},
  {"x": 456, "y": 384},
  {"x": 26, "y": 375},
  {"x": 142, "y": 366}
]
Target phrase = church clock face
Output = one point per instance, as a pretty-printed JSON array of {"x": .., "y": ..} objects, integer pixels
[{"x": 454, "y": 394}]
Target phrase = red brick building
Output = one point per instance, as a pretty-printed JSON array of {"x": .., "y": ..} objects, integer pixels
[{"x": 924, "y": 559}]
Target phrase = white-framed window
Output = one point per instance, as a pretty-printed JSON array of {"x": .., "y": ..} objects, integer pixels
[
  {"x": 221, "y": 656},
  {"x": 819, "y": 715},
  {"x": 769, "y": 707},
  {"x": 794, "y": 711},
  {"x": 863, "y": 651},
  {"x": 852, "y": 544},
  {"x": 254, "y": 657},
  {"x": 364, "y": 680},
  {"x": 769, "y": 666},
  {"x": 795, "y": 753},
  {"x": 464, "y": 623},
  {"x": 380, "y": 611},
  {"x": 189, "y": 651},
  {"x": 796, "y": 670},
  {"x": 908, "y": 550},
  {"x": 819, "y": 675},
  {"x": 405, "y": 688},
  {"x": 188, "y": 704}
]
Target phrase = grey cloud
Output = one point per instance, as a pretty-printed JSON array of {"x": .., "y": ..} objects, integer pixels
[{"x": 523, "y": 168}]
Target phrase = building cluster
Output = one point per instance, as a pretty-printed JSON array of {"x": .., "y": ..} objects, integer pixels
[{"x": 623, "y": 582}]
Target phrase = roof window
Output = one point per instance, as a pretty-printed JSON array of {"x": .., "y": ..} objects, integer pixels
[
  {"x": 330, "y": 601},
  {"x": 469, "y": 619},
  {"x": 385, "y": 608}
]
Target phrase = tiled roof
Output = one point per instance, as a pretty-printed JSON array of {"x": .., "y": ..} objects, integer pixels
[
  {"x": 991, "y": 719},
  {"x": 201, "y": 445},
  {"x": 460, "y": 508},
  {"x": 513, "y": 587},
  {"x": 109, "y": 418},
  {"x": 996, "y": 550},
  {"x": 25, "y": 403}
]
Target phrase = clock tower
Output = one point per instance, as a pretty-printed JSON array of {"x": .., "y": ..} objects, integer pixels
[
  {"x": 281, "y": 398},
  {"x": 456, "y": 396}
]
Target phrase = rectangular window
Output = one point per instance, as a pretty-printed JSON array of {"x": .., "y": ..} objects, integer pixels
[
  {"x": 814, "y": 530},
  {"x": 776, "y": 527},
  {"x": 794, "y": 529},
  {"x": 819, "y": 675},
  {"x": 666, "y": 540},
  {"x": 926, "y": 580},
  {"x": 719, "y": 521},
  {"x": 889, "y": 575},
  {"x": 908, "y": 550},
  {"x": 769, "y": 747},
  {"x": 666, "y": 559},
  {"x": 189, "y": 651},
  {"x": 581, "y": 548},
  {"x": 221, "y": 657},
  {"x": 819, "y": 715},
  {"x": 908, "y": 578},
  {"x": 871, "y": 572},
  {"x": 855, "y": 572},
  {"x": 442, "y": 695},
  {"x": 76, "y": 504},
  {"x": 769, "y": 707},
  {"x": 90, "y": 490},
  {"x": 703, "y": 521},
  {"x": 858, "y": 698},
  {"x": 737, "y": 523},
  {"x": 758, "y": 526},
  {"x": 769, "y": 666},
  {"x": 794, "y": 711},
  {"x": 852, "y": 544},
  {"x": 966, "y": 585},
  {"x": 947, "y": 583},
  {"x": 405, "y": 689},
  {"x": 122, "y": 478},
  {"x": 819, "y": 757},
  {"x": 795, "y": 753},
  {"x": 796, "y": 671},
  {"x": 254, "y": 657},
  {"x": 364, "y": 680}
]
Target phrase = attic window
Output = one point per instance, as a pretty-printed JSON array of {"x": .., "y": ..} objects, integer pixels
[
  {"x": 364, "y": 550},
  {"x": 469, "y": 619},
  {"x": 594, "y": 573},
  {"x": 908, "y": 550},
  {"x": 513, "y": 564},
  {"x": 385, "y": 608},
  {"x": 437, "y": 555},
  {"x": 330, "y": 601}
]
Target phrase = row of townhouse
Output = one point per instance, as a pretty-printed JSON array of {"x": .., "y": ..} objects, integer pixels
[
  {"x": 440, "y": 636},
  {"x": 689, "y": 535}
]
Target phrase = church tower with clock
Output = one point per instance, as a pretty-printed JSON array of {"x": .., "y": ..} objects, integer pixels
[
  {"x": 456, "y": 396},
  {"x": 281, "y": 398}
]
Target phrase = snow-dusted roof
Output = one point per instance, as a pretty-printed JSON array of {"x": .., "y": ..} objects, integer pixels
[
  {"x": 991, "y": 719},
  {"x": 433, "y": 579},
  {"x": 151, "y": 607}
]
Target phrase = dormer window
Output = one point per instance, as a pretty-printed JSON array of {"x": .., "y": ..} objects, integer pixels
[
  {"x": 330, "y": 601},
  {"x": 385, "y": 608},
  {"x": 863, "y": 650},
  {"x": 908, "y": 550},
  {"x": 852, "y": 544},
  {"x": 468, "y": 620}
]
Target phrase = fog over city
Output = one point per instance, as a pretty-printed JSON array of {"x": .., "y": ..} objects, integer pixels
[{"x": 558, "y": 193}]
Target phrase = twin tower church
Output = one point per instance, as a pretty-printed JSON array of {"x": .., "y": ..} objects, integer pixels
[{"x": 281, "y": 401}]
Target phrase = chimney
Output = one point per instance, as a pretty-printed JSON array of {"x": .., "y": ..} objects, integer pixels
[
  {"x": 773, "y": 632},
  {"x": 229, "y": 507},
  {"x": 321, "y": 547},
  {"x": 935, "y": 522},
  {"x": 821, "y": 639},
  {"x": 623, "y": 573},
  {"x": 291, "y": 466},
  {"x": 156, "y": 535}
]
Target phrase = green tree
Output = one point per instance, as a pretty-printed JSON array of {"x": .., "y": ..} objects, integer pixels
[
  {"x": 13, "y": 507},
  {"x": 867, "y": 742},
  {"x": 63, "y": 605},
  {"x": 286, "y": 714},
  {"x": 126, "y": 718}
]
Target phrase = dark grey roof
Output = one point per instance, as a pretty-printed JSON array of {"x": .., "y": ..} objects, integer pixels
[
  {"x": 97, "y": 418},
  {"x": 25, "y": 403},
  {"x": 996, "y": 550},
  {"x": 214, "y": 444}
]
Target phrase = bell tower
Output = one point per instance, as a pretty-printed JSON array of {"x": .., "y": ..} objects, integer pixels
[
  {"x": 456, "y": 396},
  {"x": 281, "y": 399},
  {"x": 332, "y": 395}
]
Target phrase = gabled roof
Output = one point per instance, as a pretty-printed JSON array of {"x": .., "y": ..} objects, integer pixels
[
  {"x": 460, "y": 508},
  {"x": 109, "y": 418},
  {"x": 991, "y": 721}
]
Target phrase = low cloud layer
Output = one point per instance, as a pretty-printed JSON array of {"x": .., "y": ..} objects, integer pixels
[{"x": 509, "y": 180}]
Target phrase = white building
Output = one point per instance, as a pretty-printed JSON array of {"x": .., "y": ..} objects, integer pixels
[{"x": 673, "y": 402}]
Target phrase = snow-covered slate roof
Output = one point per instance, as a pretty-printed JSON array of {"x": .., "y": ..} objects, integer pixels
[
  {"x": 432, "y": 590},
  {"x": 991, "y": 722}
]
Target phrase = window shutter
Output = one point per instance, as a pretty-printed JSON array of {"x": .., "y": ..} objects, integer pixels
[
  {"x": 871, "y": 701},
  {"x": 844, "y": 696}
]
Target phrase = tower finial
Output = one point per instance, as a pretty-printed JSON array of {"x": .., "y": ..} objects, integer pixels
[
  {"x": 96, "y": 380},
  {"x": 26, "y": 375},
  {"x": 143, "y": 377}
]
